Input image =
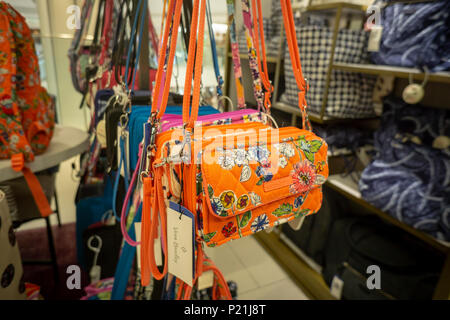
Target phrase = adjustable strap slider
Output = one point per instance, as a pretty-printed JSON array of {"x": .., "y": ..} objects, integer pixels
[{"x": 17, "y": 162}]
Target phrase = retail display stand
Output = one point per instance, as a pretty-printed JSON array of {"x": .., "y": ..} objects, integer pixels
[{"x": 67, "y": 142}]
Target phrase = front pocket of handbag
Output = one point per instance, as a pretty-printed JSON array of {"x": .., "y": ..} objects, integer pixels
[{"x": 248, "y": 188}]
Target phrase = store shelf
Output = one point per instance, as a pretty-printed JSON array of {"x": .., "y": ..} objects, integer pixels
[
  {"x": 314, "y": 117},
  {"x": 245, "y": 57},
  {"x": 330, "y": 6},
  {"x": 348, "y": 188},
  {"x": 295, "y": 110},
  {"x": 398, "y": 72},
  {"x": 310, "y": 281}
]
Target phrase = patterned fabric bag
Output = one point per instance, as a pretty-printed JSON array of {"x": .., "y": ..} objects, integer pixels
[
  {"x": 80, "y": 54},
  {"x": 12, "y": 286},
  {"x": 414, "y": 34},
  {"x": 237, "y": 179},
  {"x": 27, "y": 119},
  {"x": 350, "y": 94},
  {"x": 409, "y": 179}
]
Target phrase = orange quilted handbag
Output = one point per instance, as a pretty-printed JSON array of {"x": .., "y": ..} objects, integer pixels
[
  {"x": 237, "y": 179},
  {"x": 27, "y": 111}
]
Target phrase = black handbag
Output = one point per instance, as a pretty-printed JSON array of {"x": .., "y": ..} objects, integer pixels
[
  {"x": 408, "y": 270},
  {"x": 313, "y": 235},
  {"x": 108, "y": 256}
]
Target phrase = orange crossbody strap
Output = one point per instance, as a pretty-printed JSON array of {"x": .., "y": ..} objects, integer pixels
[
  {"x": 173, "y": 47},
  {"x": 159, "y": 210},
  {"x": 258, "y": 27},
  {"x": 198, "y": 56},
  {"x": 161, "y": 57},
  {"x": 160, "y": 102},
  {"x": 217, "y": 273},
  {"x": 163, "y": 16},
  {"x": 18, "y": 165},
  {"x": 145, "y": 229},
  {"x": 190, "y": 62},
  {"x": 291, "y": 38}
]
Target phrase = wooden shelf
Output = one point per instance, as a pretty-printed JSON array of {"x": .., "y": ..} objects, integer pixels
[
  {"x": 399, "y": 72},
  {"x": 296, "y": 111},
  {"x": 346, "y": 152},
  {"x": 348, "y": 188},
  {"x": 312, "y": 116},
  {"x": 330, "y": 6},
  {"x": 308, "y": 279},
  {"x": 245, "y": 56}
]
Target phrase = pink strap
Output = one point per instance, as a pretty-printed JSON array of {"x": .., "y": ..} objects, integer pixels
[
  {"x": 109, "y": 7},
  {"x": 123, "y": 226}
]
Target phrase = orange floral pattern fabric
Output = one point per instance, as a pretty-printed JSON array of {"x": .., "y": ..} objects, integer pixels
[
  {"x": 248, "y": 189},
  {"x": 239, "y": 190},
  {"x": 26, "y": 109}
]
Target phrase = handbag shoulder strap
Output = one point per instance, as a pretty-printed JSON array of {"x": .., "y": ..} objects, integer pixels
[
  {"x": 84, "y": 20},
  {"x": 195, "y": 56},
  {"x": 253, "y": 61},
  {"x": 214, "y": 50},
  {"x": 289, "y": 26},
  {"x": 153, "y": 35},
  {"x": 186, "y": 18},
  {"x": 164, "y": 72},
  {"x": 234, "y": 43},
  {"x": 99, "y": 23},
  {"x": 108, "y": 27},
  {"x": 259, "y": 29},
  {"x": 124, "y": 45}
]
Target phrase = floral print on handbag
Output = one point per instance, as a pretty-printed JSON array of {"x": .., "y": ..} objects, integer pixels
[{"x": 246, "y": 189}]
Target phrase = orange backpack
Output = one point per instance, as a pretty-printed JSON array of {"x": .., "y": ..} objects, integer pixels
[{"x": 27, "y": 116}]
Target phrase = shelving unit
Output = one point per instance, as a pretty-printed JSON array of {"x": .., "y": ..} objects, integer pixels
[
  {"x": 278, "y": 61},
  {"x": 398, "y": 72},
  {"x": 306, "y": 276},
  {"x": 349, "y": 189}
]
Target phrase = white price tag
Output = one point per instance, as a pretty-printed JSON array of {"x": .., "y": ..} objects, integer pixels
[
  {"x": 336, "y": 287},
  {"x": 375, "y": 38},
  {"x": 101, "y": 133},
  {"x": 137, "y": 230},
  {"x": 127, "y": 150},
  {"x": 95, "y": 273},
  {"x": 157, "y": 249},
  {"x": 180, "y": 242}
]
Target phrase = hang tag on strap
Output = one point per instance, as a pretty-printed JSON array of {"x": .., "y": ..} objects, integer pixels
[
  {"x": 157, "y": 249},
  {"x": 336, "y": 287},
  {"x": 413, "y": 93},
  {"x": 125, "y": 134},
  {"x": 137, "y": 230},
  {"x": 375, "y": 38},
  {"x": 101, "y": 133},
  {"x": 180, "y": 242}
]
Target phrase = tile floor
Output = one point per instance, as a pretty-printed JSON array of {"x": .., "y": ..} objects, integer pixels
[{"x": 245, "y": 262}]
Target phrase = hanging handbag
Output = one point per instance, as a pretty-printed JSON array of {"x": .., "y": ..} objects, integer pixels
[
  {"x": 236, "y": 191},
  {"x": 83, "y": 64},
  {"x": 350, "y": 94}
]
